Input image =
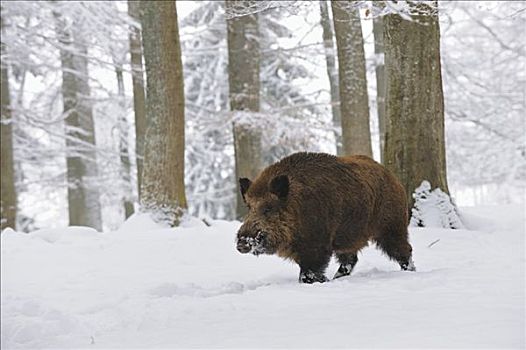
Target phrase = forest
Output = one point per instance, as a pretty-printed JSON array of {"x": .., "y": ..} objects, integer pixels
[
  {"x": 126, "y": 127},
  {"x": 74, "y": 103}
]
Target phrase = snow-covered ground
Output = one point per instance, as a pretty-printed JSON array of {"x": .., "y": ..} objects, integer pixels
[{"x": 146, "y": 286}]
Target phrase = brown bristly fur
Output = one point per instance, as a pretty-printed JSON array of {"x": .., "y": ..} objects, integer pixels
[{"x": 331, "y": 205}]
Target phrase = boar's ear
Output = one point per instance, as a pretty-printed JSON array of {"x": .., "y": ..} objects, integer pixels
[
  {"x": 244, "y": 184},
  {"x": 280, "y": 186}
]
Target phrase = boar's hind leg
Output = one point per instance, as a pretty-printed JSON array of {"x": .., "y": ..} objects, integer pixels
[
  {"x": 347, "y": 262},
  {"x": 312, "y": 268},
  {"x": 396, "y": 246}
]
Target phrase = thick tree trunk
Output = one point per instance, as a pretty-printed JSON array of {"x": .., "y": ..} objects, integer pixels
[
  {"x": 139, "y": 99},
  {"x": 378, "y": 32},
  {"x": 330, "y": 58},
  {"x": 8, "y": 200},
  {"x": 123, "y": 146},
  {"x": 83, "y": 194},
  {"x": 243, "y": 74},
  {"x": 162, "y": 188},
  {"x": 415, "y": 147},
  {"x": 354, "y": 103}
]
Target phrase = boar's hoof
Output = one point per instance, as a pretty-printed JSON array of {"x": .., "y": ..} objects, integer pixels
[
  {"x": 312, "y": 277},
  {"x": 344, "y": 270},
  {"x": 408, "y": 265}
]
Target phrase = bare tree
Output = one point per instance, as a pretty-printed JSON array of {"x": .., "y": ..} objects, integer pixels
[
  {"x": 139, "y": 99},
  {"x": 243, "y": 74},
  {"x": 378, "y": 32},
  {"x": 330, "y": 58},
  {"x": 162, "y": 187},
  {"x": 415, "y": 148},
  {"x": 8, "y": 199},
  {"x": 354, "y": 104},
  {"x": 83, "y": 194},
  {"x": 123, "y": 144}
]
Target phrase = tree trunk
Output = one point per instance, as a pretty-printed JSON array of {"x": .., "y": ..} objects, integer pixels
[
  {"x": 81, "y": 158},
  {"x": 330, "y": 58},
  {"x": 354, "y": 103},
  {"x": 378, "y": 32},
  {"x": 139, "y": 99},
  {"x": 8, "y": 200},
  {"x": 162, "y": 188},
  {"x": 123, "y": 146},
  {"x": 243, "y": 78},
  {"x": 415, "y": 147}
]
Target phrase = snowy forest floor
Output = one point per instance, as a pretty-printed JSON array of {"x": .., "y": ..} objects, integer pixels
[{"x": 145, "y": 286}]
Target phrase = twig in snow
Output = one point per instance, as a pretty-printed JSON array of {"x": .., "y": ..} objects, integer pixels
[{"x": 432, "y": 243}]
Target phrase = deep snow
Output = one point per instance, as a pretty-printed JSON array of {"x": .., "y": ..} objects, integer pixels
[{"x": 145, "y": 286}]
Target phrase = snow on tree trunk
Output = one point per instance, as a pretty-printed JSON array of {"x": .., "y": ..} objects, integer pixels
[
  {"x": 139, "y": 99},
  {"x": 434, "y": 208},
  {"x": 414, "y": 148},
  {"x": 162, "y": 187},
  {"x": 8, "y": 200},
  {"x": 81, "y": 157},
  {"x": 243, "y": 74},
  {"x": 123, "y": 146},
  {"x": 330, "y": 58},
  {"x": 378, "y": 32},
  {"x": 354, "y": 103}
]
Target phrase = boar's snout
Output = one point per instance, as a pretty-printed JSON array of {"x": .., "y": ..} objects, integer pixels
[
  {"x": 243, "y": 245},
  {"x": 247, "y": 243}
]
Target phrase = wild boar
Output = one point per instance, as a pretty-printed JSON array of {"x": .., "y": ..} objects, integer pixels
[{"x": 309, "y": 206}]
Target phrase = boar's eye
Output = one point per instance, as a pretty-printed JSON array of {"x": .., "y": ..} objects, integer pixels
[{"x": 267, "y": 209}]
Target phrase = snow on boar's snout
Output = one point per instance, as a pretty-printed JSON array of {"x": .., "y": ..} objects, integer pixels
[{"x": 254, "y": 241}]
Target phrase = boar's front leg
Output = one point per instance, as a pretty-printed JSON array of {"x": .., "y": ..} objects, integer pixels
[
  {"x": 313, "y": 265},
  {"x": 309, "y": 276}
]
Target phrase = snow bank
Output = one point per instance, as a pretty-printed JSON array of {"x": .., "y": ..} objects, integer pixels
[
  {"x": 148, "y": 286},
  {"x": 434, "y": 208}
]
